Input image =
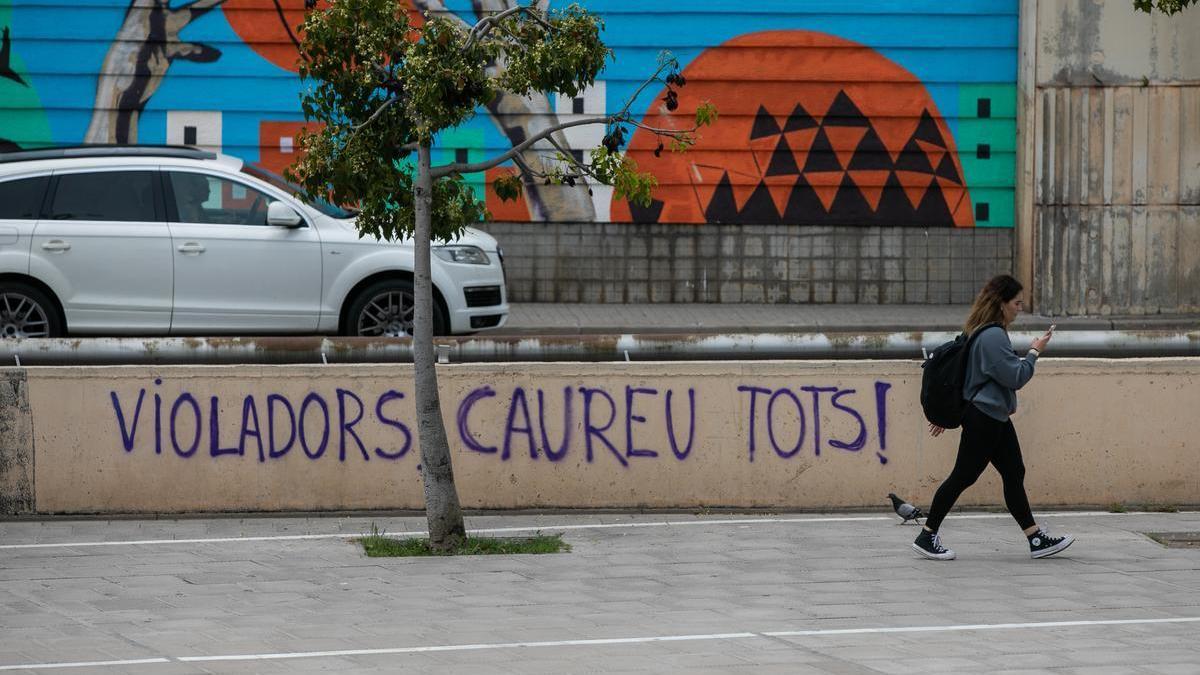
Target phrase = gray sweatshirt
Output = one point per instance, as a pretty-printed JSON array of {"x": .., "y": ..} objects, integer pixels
[{"x": 995, "y": 373}]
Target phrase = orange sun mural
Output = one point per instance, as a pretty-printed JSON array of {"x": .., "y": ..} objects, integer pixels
[
  {"x": 272, "y": 27},
  {"x": 814, "y": 130}
]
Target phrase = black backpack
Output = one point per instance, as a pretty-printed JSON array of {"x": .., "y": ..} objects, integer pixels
[{"x": 942, "y": 382}]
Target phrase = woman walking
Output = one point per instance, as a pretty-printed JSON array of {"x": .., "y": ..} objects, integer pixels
[{"x": 994, "y": 373}]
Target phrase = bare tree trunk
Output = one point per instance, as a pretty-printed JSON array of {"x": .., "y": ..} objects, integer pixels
[
  {"x": 442, "y": 509},
  {"x": 137, "y": 61},
  {"x": 518, "y": 118}
]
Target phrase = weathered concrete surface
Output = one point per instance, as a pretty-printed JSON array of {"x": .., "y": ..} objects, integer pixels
[
  {"x": 867, "y": 604},
  {"x": 1118, "y": 200},
  {"x": 16, "y": 443},
  {"x": 1108, "y": 42},
  {"x": 1116, "y": 118},
  {"x": 137, "y": 439}
]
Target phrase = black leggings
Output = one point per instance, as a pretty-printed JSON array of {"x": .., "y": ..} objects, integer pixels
[{"x": 984, "y": 439}]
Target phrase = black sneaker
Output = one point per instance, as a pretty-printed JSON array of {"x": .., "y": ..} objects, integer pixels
[
  {"x": 1042, "y": 545},
  {"x": 928, "y": 545}
]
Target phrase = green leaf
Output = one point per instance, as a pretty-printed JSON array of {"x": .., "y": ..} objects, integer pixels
[
  {"x": 507, "y": 188},
  {"x": 706, "y": 114}
]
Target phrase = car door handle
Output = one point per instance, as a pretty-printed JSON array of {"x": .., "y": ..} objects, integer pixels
[
  {"x": 191, "y": 248},
  {"x": 56, "y": 245}
]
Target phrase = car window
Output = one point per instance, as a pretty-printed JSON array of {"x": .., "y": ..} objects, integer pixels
[
  {"x": 22, "y": 199},
  {"x": 126, "y": 196},
  {"x": 203, "y": 198},
  {"x": 296, "y": 191}
]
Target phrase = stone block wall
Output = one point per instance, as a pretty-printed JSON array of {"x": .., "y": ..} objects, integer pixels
[{"x": 653, "y": 263}]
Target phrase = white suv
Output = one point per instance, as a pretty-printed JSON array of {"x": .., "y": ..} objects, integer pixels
[{"x": 145, "y": 240}]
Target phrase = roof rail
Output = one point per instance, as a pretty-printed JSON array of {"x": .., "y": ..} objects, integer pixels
[{"x": 60, "y": 152}]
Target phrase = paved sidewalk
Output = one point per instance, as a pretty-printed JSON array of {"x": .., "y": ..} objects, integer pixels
[
  {"x": 566, "y": 318},
  {"x": 789, "y": 593}
]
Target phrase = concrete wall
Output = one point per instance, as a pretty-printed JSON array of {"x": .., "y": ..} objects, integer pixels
[
  {"x": 1116, "y": 213},
  {"x": 747, "y": 434},
  {"x": 875, "y": 137},
  {"x": 749, "y": 263}
]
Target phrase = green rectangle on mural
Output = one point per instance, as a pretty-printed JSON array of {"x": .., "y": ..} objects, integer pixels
[
  {"x": 1000, "y": 206},
  {"x": 986, "y": 132},
  {"x": 994, "y": 172}
]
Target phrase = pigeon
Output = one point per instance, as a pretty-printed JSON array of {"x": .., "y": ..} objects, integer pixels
[{"x": 904, "y": 509}]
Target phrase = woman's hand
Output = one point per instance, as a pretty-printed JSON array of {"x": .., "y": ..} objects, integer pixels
[
  {"x": 1040, "y": 343},
  {"x": 935, "y": 430}
]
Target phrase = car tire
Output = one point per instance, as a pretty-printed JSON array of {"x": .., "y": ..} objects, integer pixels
[
  {"x": 26, "y": 311},
  {"x": 385, "y": 309}
]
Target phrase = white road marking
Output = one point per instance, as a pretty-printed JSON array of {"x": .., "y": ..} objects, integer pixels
[
  {"x": 467, "y": 648},
  {"x": 84, "y": 664},
  {"x": 540, "y": 528},
  {"x": 977, "y": 626},
  {"x": 606, "y": 641}
]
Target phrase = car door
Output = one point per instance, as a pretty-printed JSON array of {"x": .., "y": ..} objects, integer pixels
[
  {"x": 103, "y": 246},
  {"x": 234, "y": 273},
  {"x": 20, "y": 203}
]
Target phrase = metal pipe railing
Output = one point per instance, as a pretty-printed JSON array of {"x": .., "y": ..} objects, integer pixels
[{"x": 641, "y": 347}]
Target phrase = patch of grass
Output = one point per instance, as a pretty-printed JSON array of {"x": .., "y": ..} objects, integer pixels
[
  {"x": 1117, "y": 507},
  {"x": 1157, "y": 537},
  {"x": 1176, "y": 539},
  {"x": 379, "y": 545}
]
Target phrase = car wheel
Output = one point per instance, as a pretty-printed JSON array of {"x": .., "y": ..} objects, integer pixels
[
  {"x": 27, "y": 312},
  {"x": 385, "y": 309}
]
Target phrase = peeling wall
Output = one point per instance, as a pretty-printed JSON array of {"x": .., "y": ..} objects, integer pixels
[
  {"x": 812, "y": 434},
  {"x": 1107, "y": 42},
  {"x": 16, "y": 444},
  {"x": 1116, "y": 218}
]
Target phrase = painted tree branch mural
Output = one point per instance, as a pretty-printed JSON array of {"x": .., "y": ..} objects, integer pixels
[
  {"x": 136, "y": 63},
  {"x": 520, "y": 118}
]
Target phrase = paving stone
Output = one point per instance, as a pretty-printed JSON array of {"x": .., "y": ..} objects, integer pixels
[{"x": 323, "y": 594}]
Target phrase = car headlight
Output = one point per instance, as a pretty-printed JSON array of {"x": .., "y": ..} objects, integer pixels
[{"x": 467, "y": 255}]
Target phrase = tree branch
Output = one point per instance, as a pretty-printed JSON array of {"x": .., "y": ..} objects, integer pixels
[
  {"x": 489, "y": 23},
  {"x": 447, "y": 169},
  {"x": 378, "y": 111}
]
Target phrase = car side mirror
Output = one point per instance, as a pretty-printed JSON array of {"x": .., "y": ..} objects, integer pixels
[{"x": 282, "y": 215}]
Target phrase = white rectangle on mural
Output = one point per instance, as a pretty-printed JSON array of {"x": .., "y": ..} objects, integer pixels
[{"x": 200, "y": 128}]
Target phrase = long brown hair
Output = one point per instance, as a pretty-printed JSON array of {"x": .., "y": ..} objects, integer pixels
[{"x": 988, "y": 306}]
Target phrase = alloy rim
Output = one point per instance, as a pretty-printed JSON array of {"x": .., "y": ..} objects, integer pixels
[
  {"x": 388, "y": 314},
  {"x": 22, "y": 317}
]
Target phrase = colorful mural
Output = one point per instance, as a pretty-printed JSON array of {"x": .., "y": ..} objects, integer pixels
[{"x": 893, "y": 113}]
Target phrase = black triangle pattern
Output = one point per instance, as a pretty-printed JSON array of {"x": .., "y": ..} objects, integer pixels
[
  {"x": 913, "y": 158},
  {"x": 783, "y": 160},
  {"x": 849, "y": 202},
  {"x": 849, "y": 206},
  {"x": 799, "y": 119},
  {"x": 760, "y": 208},
  {"x": 803, "y": 206},
  {"x": 927, "y": 131},
  {"x": 646, "y": 214},
  {"x": 946, "y": 169},
  {"x": 870, "y": 154},
  {"x": 821, "y": 156},
  {"x": 843, "y": 113},
  {"x": 764, "y": 124},
  {"x": 722, "y": 208}
]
